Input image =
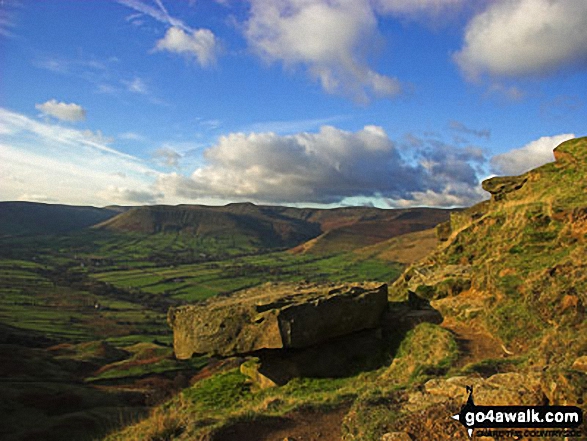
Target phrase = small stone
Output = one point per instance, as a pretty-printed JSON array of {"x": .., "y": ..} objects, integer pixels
[
  {"x": 396, "y": 436},
  {"x": 580, "y": 364}
]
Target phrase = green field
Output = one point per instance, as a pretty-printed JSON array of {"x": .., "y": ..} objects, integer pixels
[{"x": 198, "y": 281}]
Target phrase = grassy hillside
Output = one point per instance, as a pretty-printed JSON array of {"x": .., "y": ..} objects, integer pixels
[
  {"x": 524, "y": 256},
  {"x": 26, "y": 218},
  {"x": 238, "y": 223}
]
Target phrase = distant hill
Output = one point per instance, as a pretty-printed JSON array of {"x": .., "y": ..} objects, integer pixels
[
  {"x": 317, "y": 230},
  {"x": 350, "y": 230},
  {"x": 405, "y": 249},
  {"x": 28, "y": 218},
  {"x": 240, "y": 223}
]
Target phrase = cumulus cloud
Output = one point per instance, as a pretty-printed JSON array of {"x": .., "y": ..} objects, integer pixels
[
  {"x": 525, "y": 37},
  {"x": 63, "y": 111},
  {"x": 532, "y": 155},
  {"x": 325, "y": 167},
  {"x": 200, "y": 44},
  {"x": 327, "y": 38}
]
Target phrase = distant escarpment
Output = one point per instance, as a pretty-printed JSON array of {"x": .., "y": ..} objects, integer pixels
[
  {"x": 307, "y": 230},
  {"x": 32, "y": 218}
]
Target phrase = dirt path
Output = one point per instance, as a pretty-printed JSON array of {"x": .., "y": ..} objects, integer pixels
[
  {"x": 298, "y": 426},
  {"x": 475, "y": 344}
]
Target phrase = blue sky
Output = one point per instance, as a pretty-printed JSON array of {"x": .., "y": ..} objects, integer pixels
[{"x": 391, "y": 103}]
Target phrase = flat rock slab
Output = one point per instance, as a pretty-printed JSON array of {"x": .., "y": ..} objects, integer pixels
[{"x": 275, "y": 317}]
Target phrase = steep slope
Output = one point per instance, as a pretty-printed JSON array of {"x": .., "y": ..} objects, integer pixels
[
  {"x": 519, "y": 262},
  {"x": 26, "y": 218},
  {"x": 512, "y": 274},
  {"x": 241, "y": 222}
]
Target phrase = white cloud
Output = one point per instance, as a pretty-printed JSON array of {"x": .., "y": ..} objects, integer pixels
[
  {"x": 136, "y": 85},
  {"x": 160, "y": 13},
  {"x": 122, "y": 195},
  {"x": 532, "y": 155},
  {"x": 63, "y": 111},
  {"x": 327, "y": 38},
  {"x": 199, "y": 43},
  {"x": 179, "y": 38},
  {"x": 455, "y": 195},
  {"x": 27, "y": 197},
  {"x": 525, "y": 37},
  {"x": 62, "y": 164},
  {"x": 324, "y": 167},
  {"x": 131, "y": 136}
]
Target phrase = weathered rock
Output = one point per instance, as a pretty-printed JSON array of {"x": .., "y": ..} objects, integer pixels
[
  {"x": 500, "y": 186},
  {"x": 437, "y": 282},
  {"x": 275, "y": 319},
  {"x": 580, "y": 364}
]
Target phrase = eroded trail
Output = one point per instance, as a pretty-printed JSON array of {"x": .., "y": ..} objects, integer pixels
[
  {"x": 306, "y": 425},
  {"x": 475, "y": 344}
]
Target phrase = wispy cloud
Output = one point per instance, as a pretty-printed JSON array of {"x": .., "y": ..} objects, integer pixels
[
  {"x": 167, "y": 156},
  {"x": 458, "y": 126},
  {"x": 107, "y": 76},
  {"x": 64, "y": 164},
  {"x": 132, "y": 136},
  {"x": 158, "y": 13},
  {"x": 294, "y": 126},
  {"x": 7, "y": 18},
  {"x": 136, "y": 85}
]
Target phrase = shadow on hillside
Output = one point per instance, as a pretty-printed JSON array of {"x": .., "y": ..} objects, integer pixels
[{"x": 45, "y": 395}]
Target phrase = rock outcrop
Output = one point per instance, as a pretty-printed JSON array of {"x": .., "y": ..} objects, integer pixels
[
  {"x": 500, "y": 186},
  {"x": 290, "y": 318}
]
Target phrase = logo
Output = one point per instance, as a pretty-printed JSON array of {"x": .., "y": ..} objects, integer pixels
[{"x": 553, "y": 418}]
